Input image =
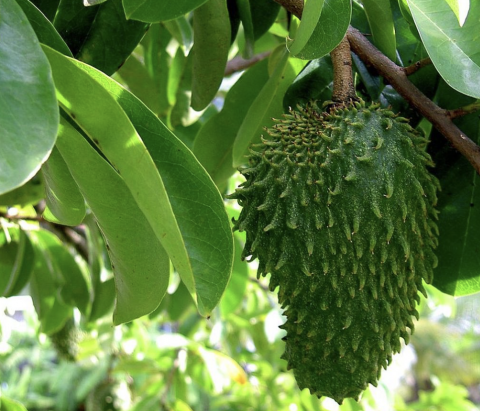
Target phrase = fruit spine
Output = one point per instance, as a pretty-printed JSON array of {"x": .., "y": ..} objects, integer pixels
[{"x": 339, "y": 208}]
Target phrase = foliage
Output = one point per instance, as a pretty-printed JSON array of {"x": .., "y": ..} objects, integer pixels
[{"x": 122, "y": 123}]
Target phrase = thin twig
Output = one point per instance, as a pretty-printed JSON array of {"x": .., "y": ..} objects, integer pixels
[
  {"x": 409, "y": 70},
  {"x": 463, "y": 111},
  {"x": 238, "y": 63}
]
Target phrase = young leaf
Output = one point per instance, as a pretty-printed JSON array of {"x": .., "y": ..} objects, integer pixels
[
  {"x": 167, "y": 182},
  {"x": 152, "y": 11},
  {"x": 211, "y": 26},
  {"x": 380, "y": 18},
  {"x": 214, "y": 142},
  {"x": 28, "y": 108},
  {"x": 329, "y": 30},
  {"x": 453, "y": 49},
  {"x": 65, "y": 203},
  {"x": 93, "y": 33},
  {"x": 140, "y": 264}
]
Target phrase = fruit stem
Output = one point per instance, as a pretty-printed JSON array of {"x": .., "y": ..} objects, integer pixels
[{"x": 343, "y": 87}]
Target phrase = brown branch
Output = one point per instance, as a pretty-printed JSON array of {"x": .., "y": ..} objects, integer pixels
[
  {"x": 238, "y": 63},
  {"x": 293, "y": 6},
  {"x": 343, "y": 87},
  {"x": 396, "y": 76},
  {"x": 463, "y": 111},
  {"x": 409, "y": 70}
]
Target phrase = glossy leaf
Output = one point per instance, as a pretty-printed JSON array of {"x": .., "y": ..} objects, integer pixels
[
  {"x": 152, "y": 11},
  {"x": 65, "y": 203},
  {"x": 460, "y": 8},
  {"x": 166, "y": 181},
  {"x": 458, "y": 271},
  {"x": 329, "y": 31},
  {"x": 267, "y": 104},
  {"x": 380, "y": 19},
  {"x": 43, "y": 28},
  {"x": 45, "y": 282},
  {"x": 214, "y": 142},
  {"x": 211, "y": 26},
  {"x": 28, "y": 108},
  {"x": 453, "y": 49},
  {"x": 310, "y": 17},
  {"x": 99, "y": 35}
]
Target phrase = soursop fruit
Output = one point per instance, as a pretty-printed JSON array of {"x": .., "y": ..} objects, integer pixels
[{"x": 338, "y": 207}]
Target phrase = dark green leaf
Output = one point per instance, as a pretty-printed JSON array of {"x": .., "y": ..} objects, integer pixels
[
  {"x": 329, "y": 31},
  {"x": 65, "y": 203},
  {"x": 47, "y": 7},
  {"x": 214, "y": 142},
  {"x": 29, "y": 193},
  {"x": 98, "y": 35},
  {"x": 247, "y": 23},
  {"x": 453, "y": 49},
  {"x": 264, "y": 13},
  {"x": 28, "y": 108},
  {"x": 310, "y": 19},
  {"x": 211, "y": 26},
  {"x": 9, "y": 250},
  {"x": 153, "y": 11},
  {"x": 380, "y": 18},
  {"x": 104, "y": 299},
  {"x": 139, "y": 262}
]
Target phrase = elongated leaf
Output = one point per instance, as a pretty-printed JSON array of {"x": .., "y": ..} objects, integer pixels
[
  {"x": 99, "y": 35},
  {"x": 153, "y": 11},
  {"x": 214, "y": 142},
  {"x": 43, "y": 28},
  {"x": 9, "y": 250},
  {"x": 460, "y": 8},
  {"x": 264, "y": 13},
  {"x": 453, "y": 49},
  {"x": 329, "y": 31},
  {"x": 65, "y": 203},
  {"x": 458, "y": 271},
  {"x": 45, "y": 283},
  {"x": 29, "y": 193},
  {"x": 167, "y": 182},
  {"x": 28, "y": 108},
  {"x": 310, "y": 17},
  {"x": 268, "y": 104},
  {"x": 211, "y": 26},
  {"x": 140, "y": 264},
  {"x": 245, "y": 14},
  {"x": 380, "y": 18}
]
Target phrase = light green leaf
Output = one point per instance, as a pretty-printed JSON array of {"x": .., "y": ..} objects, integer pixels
[
  {"x": 453, "y": 49},
  {"x": 380, "y": 19},
  {"x": 211, "y": 26},
  {"x": 460, "y": 8},
  {"x": 167, "y": 182},
  {"x": 329, "y": 31},
  {"x": 140, "y": 264},
  {"x": 268, "y": 104},
  {"x": 214, "y": 142},
  {"x": 7, "y": 404},
  {"x": 152, "y": 11},
  {"x": 65, "y": 203},
  {"x": 28, "y": 108},
  {"x": 310, "y": 16}
]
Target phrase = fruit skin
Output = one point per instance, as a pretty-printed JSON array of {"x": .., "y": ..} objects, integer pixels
[{"x": 339, "y": 208}]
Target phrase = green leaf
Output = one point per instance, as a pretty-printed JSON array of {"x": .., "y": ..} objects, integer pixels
[
  {"x": 167, "y": 182},
  {"x": 329, "y": 31},
  {"x": 460, "y": 8},
  {"x": 44, "y": 30},
  {"x": 380, "y": 19},
  {"x": 208, "y": 238},
  {"x": 268, "y": 104},
  {"x": 140, "y": 264},
  {"x": 29, "y": 193},
  {"x": 28, "y": 108},
  {"x": 104, "y": 299},
  {"x": 214, "y": 142},
  {"x": 211, "y": 26},
  {"x": 310, "y": 17},
  {"x": 7, "y": 404},
  {"x": 247, "y": 23},
  {"x": 453, "y": 49},
  {"x": 458, "y": 271},
  {"x": 65, "y": 203},
  {"x": 98, "y": 35},
  {"x": 45, "y": 282},
  {"x": 9, "y": 250},
  {"x": 152, "y": 11},
  {"x": 264, "y": 13}
]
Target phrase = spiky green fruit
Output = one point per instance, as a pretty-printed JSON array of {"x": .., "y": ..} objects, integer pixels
[{"x": 339, "y": 208}]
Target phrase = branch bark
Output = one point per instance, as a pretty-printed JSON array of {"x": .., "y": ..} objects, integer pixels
[
  {"x": 397, "y": 77},
  {"x": 343, "y": 87}
]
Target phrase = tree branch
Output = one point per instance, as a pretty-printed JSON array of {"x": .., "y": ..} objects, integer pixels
[
  {"x": 238, "y": 63},
  {"x": 343, "y": 87},
  {"x": 409, "y": 70},
  {"x": 397, "y": 77}
]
